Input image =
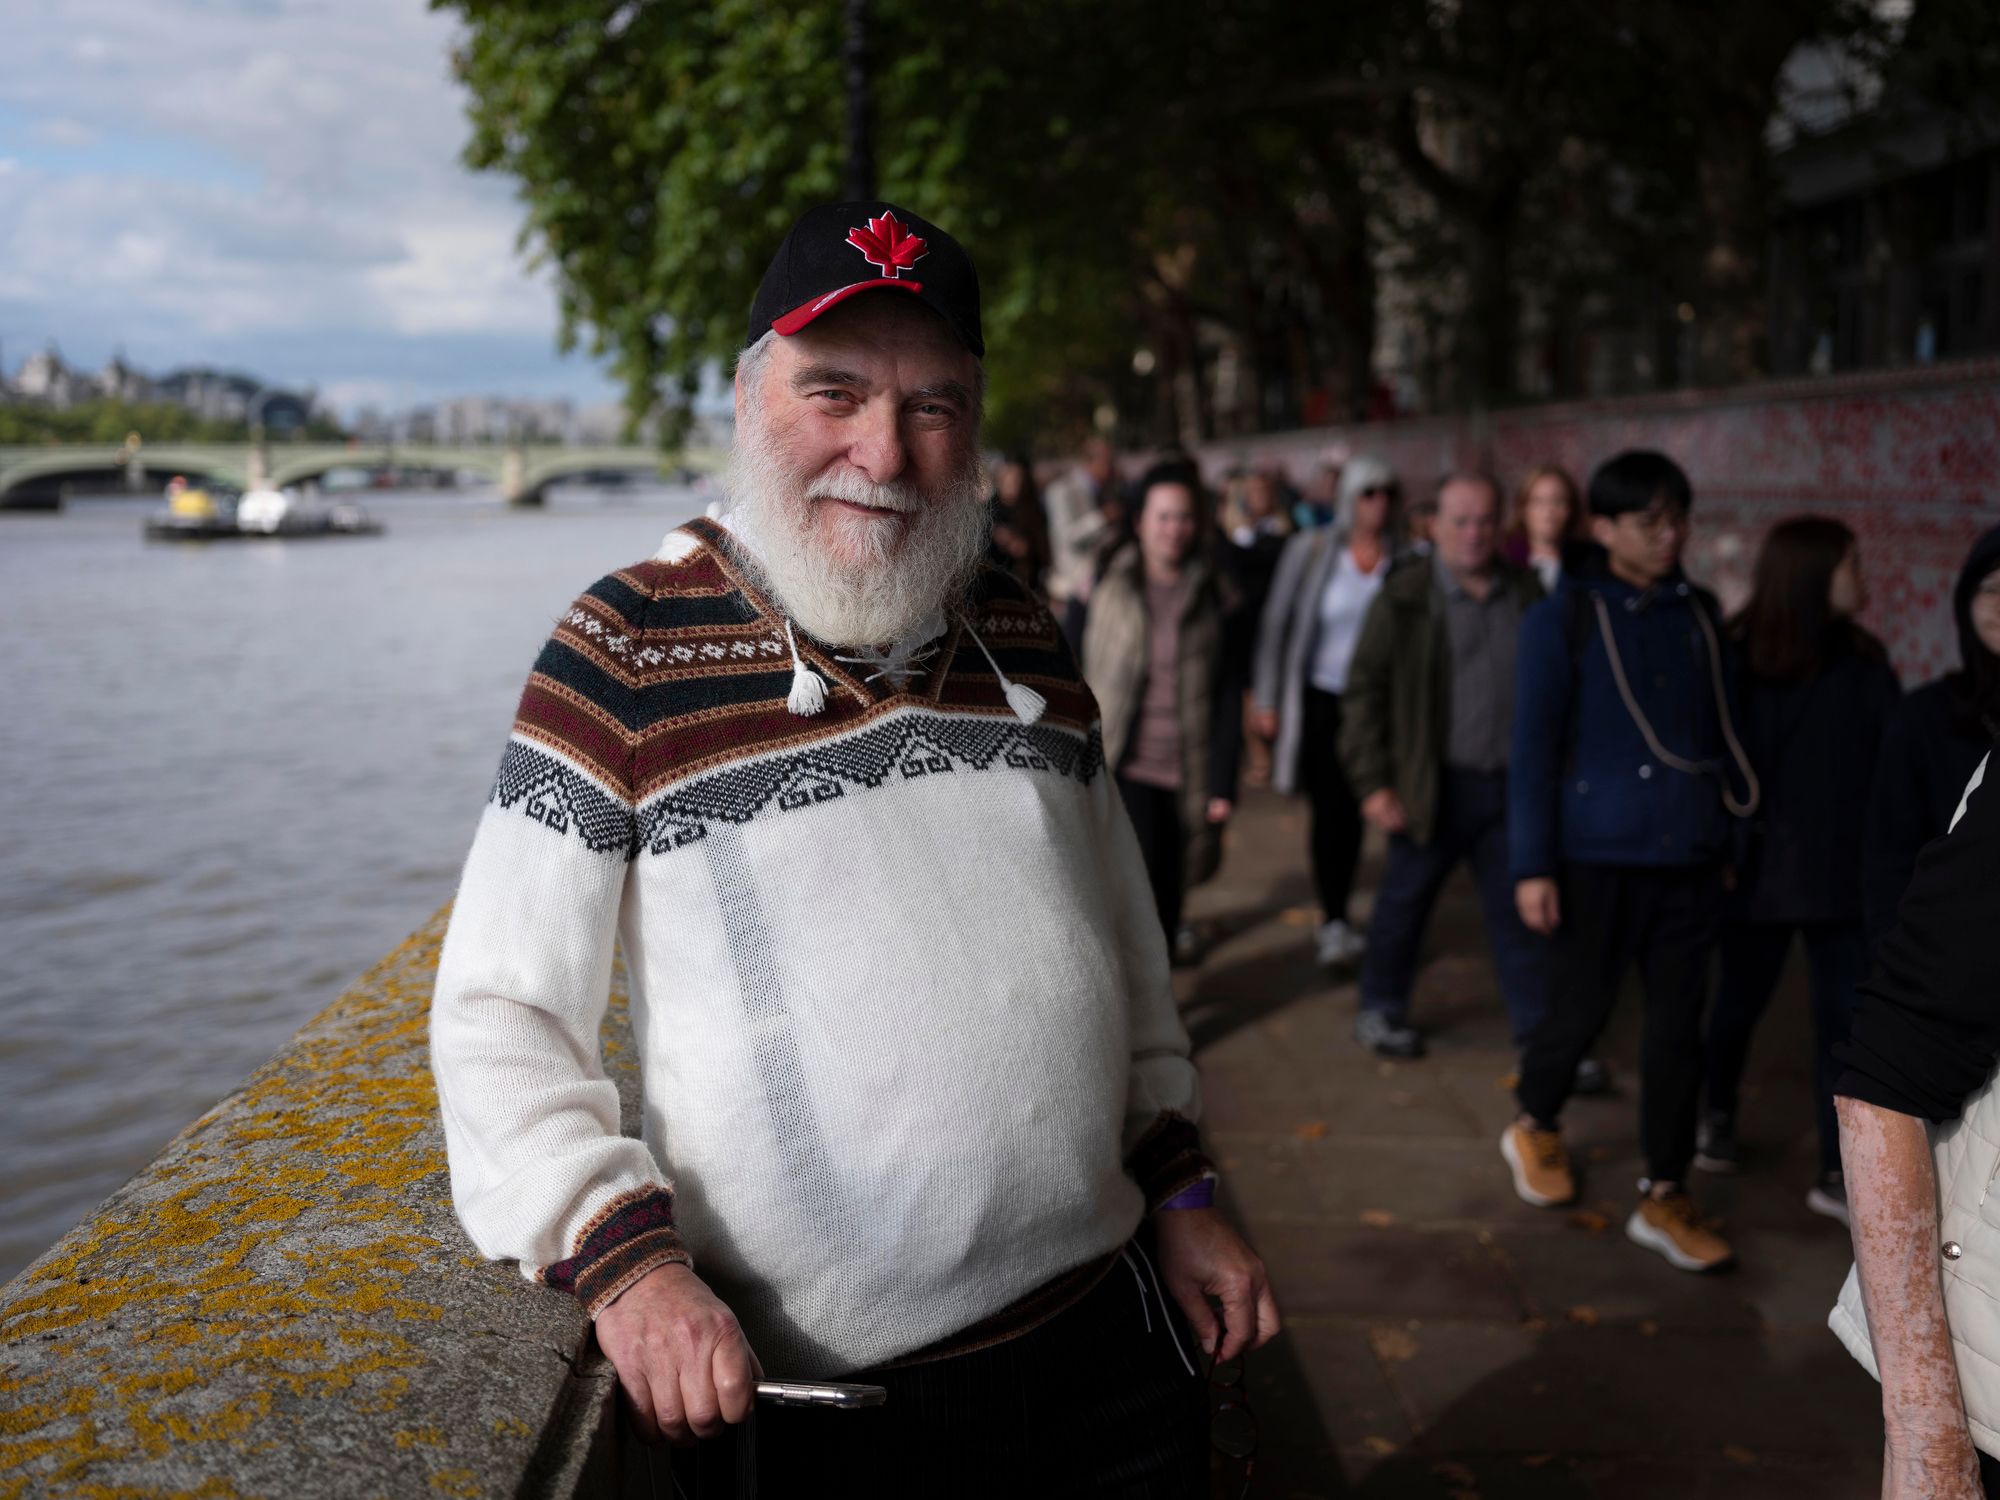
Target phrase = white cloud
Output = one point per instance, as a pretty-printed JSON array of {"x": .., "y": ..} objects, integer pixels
[{"x": 276, "y": 175}]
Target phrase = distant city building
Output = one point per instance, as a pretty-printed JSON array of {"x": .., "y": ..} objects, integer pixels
[{"x": 214, "y": 395}]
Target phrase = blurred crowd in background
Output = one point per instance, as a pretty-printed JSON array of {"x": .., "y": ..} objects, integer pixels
[{"x": 1522, "y": 680}]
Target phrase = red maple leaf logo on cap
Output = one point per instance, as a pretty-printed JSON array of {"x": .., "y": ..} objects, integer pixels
[{"x": 888, "y": 243}]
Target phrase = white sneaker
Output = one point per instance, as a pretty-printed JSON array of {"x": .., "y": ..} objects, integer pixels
[{"x": 1339, "y": 943}]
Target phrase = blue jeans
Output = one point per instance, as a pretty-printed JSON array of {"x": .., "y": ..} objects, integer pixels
[{"x": 1471, "y": 826}]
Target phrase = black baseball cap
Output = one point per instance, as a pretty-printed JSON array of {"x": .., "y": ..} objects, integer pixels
[{"x": 840, "y": 250}]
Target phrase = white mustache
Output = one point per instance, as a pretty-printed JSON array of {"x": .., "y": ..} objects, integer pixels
[{"x": 858, "y": 489}]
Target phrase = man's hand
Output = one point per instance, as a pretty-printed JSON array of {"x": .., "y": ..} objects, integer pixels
[
  {"x": 684, "y": 1364},
  {"x": 1201, "y": 1256},
  {"x": 1540, "y": 907},
  {"x": 1264, "y": 723},
  {"x": 1384, "y": 809},
  {"x": 1220, "y": 809}
]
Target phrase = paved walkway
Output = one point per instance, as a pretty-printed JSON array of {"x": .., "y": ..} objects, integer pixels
[{"x": 1445, "y": 1339}]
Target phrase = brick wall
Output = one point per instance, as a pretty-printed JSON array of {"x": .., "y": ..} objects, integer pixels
[{"x": 1909, "y": 459}]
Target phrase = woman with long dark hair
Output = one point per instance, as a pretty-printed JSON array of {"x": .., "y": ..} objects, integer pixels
[
  {"x": 1817, "y": 690},
  {"x": 1020, "y": 525},
  {"x": 1935, "y": 737}
]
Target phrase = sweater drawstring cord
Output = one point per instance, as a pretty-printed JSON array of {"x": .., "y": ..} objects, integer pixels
[
  {"x": 1024, "y": 700},
  {"x": 808, "y": 694}
]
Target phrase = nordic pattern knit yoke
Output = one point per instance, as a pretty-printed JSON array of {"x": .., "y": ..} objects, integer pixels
[{"x": 909, "y": 1052}]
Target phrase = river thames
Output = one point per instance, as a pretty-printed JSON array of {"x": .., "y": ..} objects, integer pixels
[{"x": 235, "y": 775}]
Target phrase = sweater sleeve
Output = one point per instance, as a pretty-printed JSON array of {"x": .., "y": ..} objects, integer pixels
[
  {"x": 540, "y": 1173},
  {"x": 1542, "y": 691},
  {"x": 1163, "y": 1152},
  {"x": 1926, "y": 1029}
]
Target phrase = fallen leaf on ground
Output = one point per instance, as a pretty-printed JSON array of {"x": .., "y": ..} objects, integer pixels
[
  {"x": 1392, "y": 1344},
  {"x": 1535, "y": 1325},
  {"x": 1299, "y": 916},
  {"x": 1377, "y": 1218},
  {"x": 1589, "y": 1219},
  {"x": 1312, "y": 1130},
  {"x": 1585, "y": 1315},
  {"x": 1739, "y": 1455},
  {"x": 1381, "y": 1447},
  {"x": 1507, "y": 1081},
  {"x": 1648, "y": 1327}
]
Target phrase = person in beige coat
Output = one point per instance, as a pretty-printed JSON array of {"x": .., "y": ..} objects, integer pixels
[{"x": 1157, "y": 653}]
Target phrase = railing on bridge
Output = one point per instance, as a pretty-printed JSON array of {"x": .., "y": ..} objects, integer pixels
[{"x": 35, "y": 477}]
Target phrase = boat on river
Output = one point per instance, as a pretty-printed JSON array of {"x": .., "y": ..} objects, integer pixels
[{"x": 195, "y": 514}]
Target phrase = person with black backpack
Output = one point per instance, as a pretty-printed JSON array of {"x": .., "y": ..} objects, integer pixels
[{"x": 1625, "y": 769}]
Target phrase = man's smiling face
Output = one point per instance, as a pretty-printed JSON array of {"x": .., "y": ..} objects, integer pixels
[{"x": 858, "y": 463}]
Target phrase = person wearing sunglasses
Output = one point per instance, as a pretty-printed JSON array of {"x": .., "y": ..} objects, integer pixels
[{"x": 1326, "y": 578}]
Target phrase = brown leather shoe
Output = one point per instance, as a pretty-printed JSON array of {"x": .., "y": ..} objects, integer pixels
[
  {"x": 1540, "y": 1165},
  {"x": 1670, "y": 1224}
]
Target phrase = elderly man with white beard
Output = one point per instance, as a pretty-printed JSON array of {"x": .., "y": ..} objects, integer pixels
[{"x": 918, "y": 1107}]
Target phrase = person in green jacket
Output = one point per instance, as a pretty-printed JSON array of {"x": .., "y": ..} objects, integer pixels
[{"x": 1430, "y": 707}]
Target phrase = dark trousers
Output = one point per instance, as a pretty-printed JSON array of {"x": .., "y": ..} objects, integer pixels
[
  {"x": 1665, "y": 920},
  {"x": 1098, "y": 1401},
  {"x": 1156, "y": 818},
  {"x": 1336, "y": 815},
  {"x": 1471, "y": 826},
  {"x": 1753, "y": 958}
]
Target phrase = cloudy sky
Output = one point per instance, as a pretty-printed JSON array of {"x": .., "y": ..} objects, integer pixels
[{"x": 271, "y": 185}]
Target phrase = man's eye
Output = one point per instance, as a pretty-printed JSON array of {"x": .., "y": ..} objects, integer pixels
[{"x": 842, "y": 396}]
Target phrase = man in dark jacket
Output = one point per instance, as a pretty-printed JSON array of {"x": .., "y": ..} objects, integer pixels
[
  {"x": 1618, "y": 834},
  {"x": 1430, "y": 701}
]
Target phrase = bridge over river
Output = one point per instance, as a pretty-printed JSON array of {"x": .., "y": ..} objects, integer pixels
[{"x": 38, "y": 478}]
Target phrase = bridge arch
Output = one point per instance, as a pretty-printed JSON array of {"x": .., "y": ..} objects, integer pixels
[{"x": 37, "y": 482}]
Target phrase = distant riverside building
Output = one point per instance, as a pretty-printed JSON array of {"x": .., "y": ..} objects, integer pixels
[{"x": 45, "y": 379}]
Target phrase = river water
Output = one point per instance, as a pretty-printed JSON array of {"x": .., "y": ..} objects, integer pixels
[{"x": 234, "y": 775}]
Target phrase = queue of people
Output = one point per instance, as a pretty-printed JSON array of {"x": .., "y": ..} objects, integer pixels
[{"x": 1536, "y": 690}]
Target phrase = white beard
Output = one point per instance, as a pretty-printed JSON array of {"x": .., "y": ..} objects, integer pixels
[{"x": 872, "y": 582}]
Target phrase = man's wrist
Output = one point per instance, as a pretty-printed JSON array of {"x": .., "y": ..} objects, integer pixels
[{"x": 1196, "y": 1195}]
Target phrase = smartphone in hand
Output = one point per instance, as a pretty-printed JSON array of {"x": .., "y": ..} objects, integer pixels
[{"x": 819, "y": 1393}]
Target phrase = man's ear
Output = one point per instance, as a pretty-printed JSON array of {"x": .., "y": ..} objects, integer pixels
[
  {"x": 736, "y": 385},
  {"x": 1602, "y": 529}
]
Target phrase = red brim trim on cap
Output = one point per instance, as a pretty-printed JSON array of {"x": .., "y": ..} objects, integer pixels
[{"x": 798, "y": 317}]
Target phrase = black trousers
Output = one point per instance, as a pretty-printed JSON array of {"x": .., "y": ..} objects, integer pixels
[
  {"x": 1753, "y": 959},
  {"x": 1156, "y": 818},
  {"x": 1665, "y": 920},
  {"x": 1336, "y": 814},
  {"x": 1107, "y": 1399}
]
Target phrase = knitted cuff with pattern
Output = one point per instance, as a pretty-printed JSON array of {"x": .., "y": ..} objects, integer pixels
[
  {"x": 1168, "y": 1159},
  {"x": 632, "y": 1234}
]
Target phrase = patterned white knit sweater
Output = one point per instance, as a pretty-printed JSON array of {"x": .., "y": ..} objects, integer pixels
[{"x": 907, "y": 1041}]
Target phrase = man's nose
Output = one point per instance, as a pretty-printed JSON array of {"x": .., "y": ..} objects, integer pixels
[{"x": 878, "y": 449}]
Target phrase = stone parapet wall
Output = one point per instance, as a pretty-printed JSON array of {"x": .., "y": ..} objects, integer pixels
[
  {"x": 1909, "y": 459},
  {"x": 283, "y": 1303}
]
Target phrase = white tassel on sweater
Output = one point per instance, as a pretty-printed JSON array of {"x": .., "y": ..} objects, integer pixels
[
  {"x": 1024, "y": 700},
  {"x": 808, "y": 694}
]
